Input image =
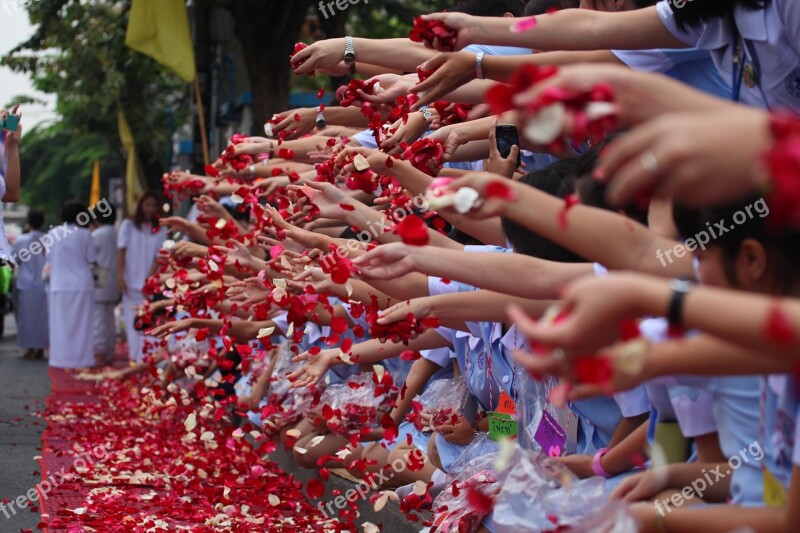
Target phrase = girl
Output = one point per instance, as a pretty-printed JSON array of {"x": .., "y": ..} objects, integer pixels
[
  {"x": 140, "y": 239},
  {"x": 71, "y": 295}
]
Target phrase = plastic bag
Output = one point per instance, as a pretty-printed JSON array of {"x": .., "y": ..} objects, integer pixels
[
  {"x": 538, "y": 493},
  {"x": 542, "y": 425},
  {"x": 443, "y": 400},
  {"x": 284, "y": 404},
  {"x": 471, "y": 487},
  {"x": 360, "y": 403}
]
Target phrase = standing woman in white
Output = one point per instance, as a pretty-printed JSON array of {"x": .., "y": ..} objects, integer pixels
[
  {"x": 71, "y": 293},
  {"x": 140, "y": 239},
  {"x": 31, "y": 293}
]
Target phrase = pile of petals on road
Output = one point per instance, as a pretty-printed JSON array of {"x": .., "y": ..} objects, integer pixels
[{"x": 164, "y": 462}]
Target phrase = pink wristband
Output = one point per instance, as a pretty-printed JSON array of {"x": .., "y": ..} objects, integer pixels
[{"x": 597, "y": 467}]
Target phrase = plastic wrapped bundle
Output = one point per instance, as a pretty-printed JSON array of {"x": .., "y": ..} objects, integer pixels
[
  {"x": 443, "y": 400},
  {"x": 542, "y": 425},
  {"x": 360, "y": 403},
  {"x": 470, "y": 489},
  {"x": 538, "y": 493}
]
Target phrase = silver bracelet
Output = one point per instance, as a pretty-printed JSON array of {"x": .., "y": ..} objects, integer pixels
[
  {"x": 252, "y": 171},
  {"x": 479, "y": 65}
]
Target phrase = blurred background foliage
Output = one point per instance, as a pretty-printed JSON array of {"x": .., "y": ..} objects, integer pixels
[{"x": 78, "y": 53}]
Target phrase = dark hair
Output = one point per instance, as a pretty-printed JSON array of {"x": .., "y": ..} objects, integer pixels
[
  {"x": 138, "y": 216},
  {"x": 35, "y": 219},
  {"x": 694, "y": 13},
  {"x": 71, "y": 210},
  {"x": 109, "y": 217},
  {"x": 782, "y": 245},
  {"x": 645, "y": 3},
  {"x": 593, "y": 193},
  {"x": 540, "y": 7},
  {"x": 490, "y": 8},
  {"x": 557, "y": 180}
]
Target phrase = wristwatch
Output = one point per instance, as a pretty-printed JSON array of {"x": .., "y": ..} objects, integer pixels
[
  {"x": 479, "y": 66},
  {"x": 321, "y": 122},
  {"x": 680, "y": 288},
  {"x": 350, "y": 54},
  {"x": 427, "y": 114},
  {"x": 597, "y": 467}
]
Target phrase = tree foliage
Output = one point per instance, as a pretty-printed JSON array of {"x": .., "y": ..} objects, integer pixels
[{"x": 78, "y": 53}]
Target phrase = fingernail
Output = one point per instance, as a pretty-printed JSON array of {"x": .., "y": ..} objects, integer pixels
[{"x": 599, "y": 174}]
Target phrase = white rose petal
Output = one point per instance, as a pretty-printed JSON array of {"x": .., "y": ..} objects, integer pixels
[
  {"x": 268, "y": 129},
  {"x": 168, "y": 244},
  {"x": 465, "y": 199},
  {"x": 420, "y": 488},
  {"x": 191, "y": 421},
  {"x": 236, "y": 199},
  {"x": 220, "y": 223},
  {"x": 279, "y": 282},
  {"x": 265, "y": 332},
  {"x": 316, "y": 440},
  {"x": 294, "y": 433},
  {"x": 597, "y": 110},
  {"x": 301, "y": 451},
  {"x": 207, "y": 436},
  {"x": 361, "y": 163},
  {"x": 369, "y": 527},
  {"x": 546, "y": 126},
  {"x": 274, "y": 500}
]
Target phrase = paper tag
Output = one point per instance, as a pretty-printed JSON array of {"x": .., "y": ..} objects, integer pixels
[
  {"x": 501, "y": 425},
  {"x": 774, "y": 493},
  {"x": 550, "y": 435},
  {"x": 506, "y": 405}
]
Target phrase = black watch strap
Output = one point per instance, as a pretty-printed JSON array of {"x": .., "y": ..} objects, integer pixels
[{"x": 680, "y": 288}]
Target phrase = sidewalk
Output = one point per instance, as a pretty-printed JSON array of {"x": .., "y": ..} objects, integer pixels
[{"x": 23, "y": 387}]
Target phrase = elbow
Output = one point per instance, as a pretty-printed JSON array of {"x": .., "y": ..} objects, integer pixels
[{"x": 11, "y": 196}]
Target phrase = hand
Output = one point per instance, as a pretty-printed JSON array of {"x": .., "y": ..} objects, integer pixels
[
  {"x": 497, "y": 163},
  {"x": 579, "y": 464},
  {"x": 375, "y": 158},
  {"x": 480, "y": 181},
  {"x": 594, "y": 308},
  {"x": 419, "y": 307},
  {"x": 210, "y": 206},
  {"x": 238, "y": 252},
  {"x": 175, "y": 223},
  {"x": 189, "y": 249},
  {"x": 316, "y": 279},
  {"x": 698, "y": 159},
  {"x": 320, "y": 55},
  {"x": 451, "y": 138},
  {"x": 329, "y": 200},
  {"x": 460, "y": 22},
  {"x": 249, "y": 292},
  {"x": 394, "y": 86},
  {"x": 408, "y": 133},
  {"x": 123, "y": 287},
  {"x": 315, "y": 368},
  {"x": 452, "y": 70},
  {"x": 460, "y": 433},
  {"x": 254, "y": 148},
  {"x": 642, "y": 486},
  {"x": 387, "y": 261},
  {"x": 170, "y": 328},
  {"x": 13, "y": 137},
  {"x": 297, "y": 128}
]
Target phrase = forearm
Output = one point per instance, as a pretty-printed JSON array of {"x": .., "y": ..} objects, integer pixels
[
  {"x": 725, "y": 518},
  {"x": 473, "y": 92},
  {"x": 703, "y": 355},
  {"x": 682, "y": 475},
  {"x": 418, "y": 376},
  {"x": 606, "y": 237},
  {"x": 499, "y": 272},
  {"x": 12, "y": 176},
  {"x": 500, "y": 68},
  {"x": 413, "y": 285},
  {"x": 482, "y": 306},
  {"x": 620, "y": 457},
  {"x": 373, "y": 351},
  {"x": 395, "y": 54},
  {"x": 581, "y": 29}
]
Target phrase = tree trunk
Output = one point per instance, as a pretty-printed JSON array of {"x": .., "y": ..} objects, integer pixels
[{"x": 268, "y": 32}]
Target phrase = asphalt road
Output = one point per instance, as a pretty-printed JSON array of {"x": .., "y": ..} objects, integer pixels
[{"x": 23, "y": 387}]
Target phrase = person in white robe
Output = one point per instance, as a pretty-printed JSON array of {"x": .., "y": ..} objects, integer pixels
[
  {"x": 30, "y": 293},
  {"x": 71, "y": 256},
  {"x": 140, "y": 239},
  {"x": 106, "y": 294}
]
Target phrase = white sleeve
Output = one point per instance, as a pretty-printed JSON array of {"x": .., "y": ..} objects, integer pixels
[
  {"x": 123, "y": 238},
  {"x": 790, "y": 13}
]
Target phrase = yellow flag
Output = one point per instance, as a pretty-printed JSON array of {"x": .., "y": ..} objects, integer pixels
[
  {"x": 94, "y": 195},
  {"x": 132, "y": 184},
  {"x": 160, "y": 29}
]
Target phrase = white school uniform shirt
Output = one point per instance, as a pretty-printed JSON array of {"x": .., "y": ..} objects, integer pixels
[
  {"x": 142, "y": 247},
  {"x": 105, "y": 246},
  {"x": 71, "y": 258},
  {"x": 28, "y": 275},
  {"x": 772, "y": 33}
]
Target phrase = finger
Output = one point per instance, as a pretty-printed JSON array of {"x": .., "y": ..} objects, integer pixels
[
  {"x": 580, "y": 392},
  {"x": 641, "y": 176},
  {"x": 514, "y": 155},
  {"x": 624, "y": 149},
  {"x": 623, "y": 488}
]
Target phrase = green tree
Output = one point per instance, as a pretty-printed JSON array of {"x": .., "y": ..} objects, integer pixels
[{"x": 78, "y": 53}]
